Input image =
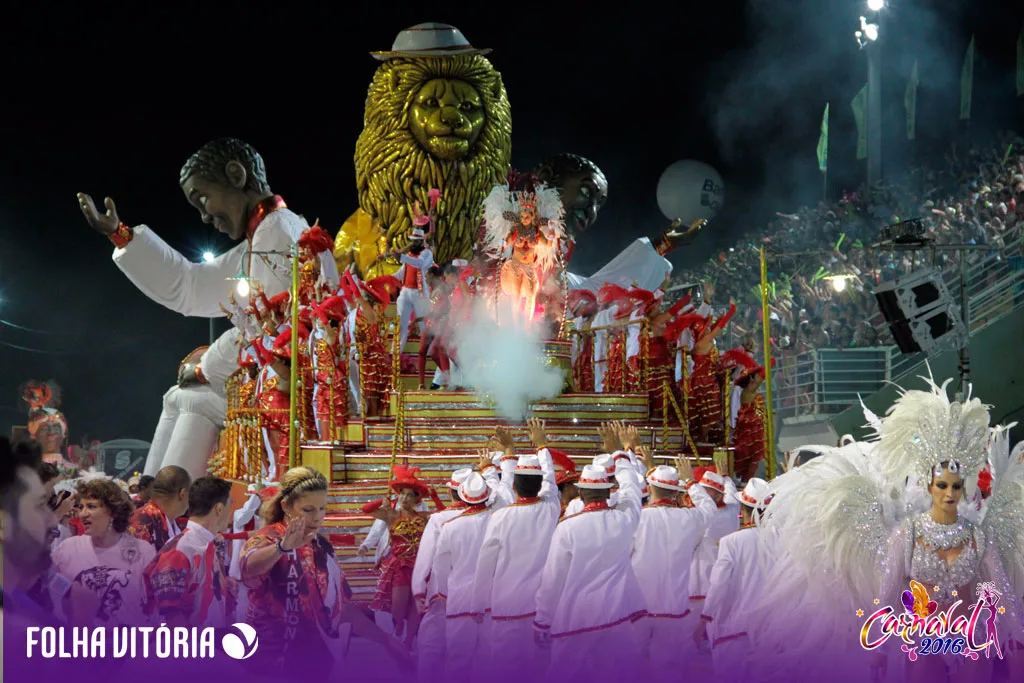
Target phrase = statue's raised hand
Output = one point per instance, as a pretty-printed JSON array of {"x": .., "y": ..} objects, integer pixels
[{"x": 103, "y": 223}]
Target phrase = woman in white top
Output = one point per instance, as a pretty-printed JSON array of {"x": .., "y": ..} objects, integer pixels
[{"x": 103, "y": 567}]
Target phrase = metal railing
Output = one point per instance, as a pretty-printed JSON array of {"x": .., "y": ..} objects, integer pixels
[{"x": 826, "y": 381}]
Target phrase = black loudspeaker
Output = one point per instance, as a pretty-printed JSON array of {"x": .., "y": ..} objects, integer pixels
[{"x": 920, "y": 313}]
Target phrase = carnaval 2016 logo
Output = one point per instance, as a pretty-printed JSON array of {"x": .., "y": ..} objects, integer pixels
[
  {"x": 138, "y": 642},
  {"x": 924, "y": 630}
]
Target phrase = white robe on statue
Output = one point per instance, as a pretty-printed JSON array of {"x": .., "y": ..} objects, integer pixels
[
  {"x": 190, "y": 421},
  {"x": 508, "y": 574},
  {"x": 638, "y": 263},
  {"x": 663, "y": 550},
  {"x": 589, "y": 597}
]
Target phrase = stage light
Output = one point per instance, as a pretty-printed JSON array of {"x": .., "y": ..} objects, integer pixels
[
  {"x": 869, "y": 31},
  {"x": 242, "y": 287},
  {"x": 876, "y": 5},
  {"x": 839, "y": 284},
  {"x": 208, "y": 256}
]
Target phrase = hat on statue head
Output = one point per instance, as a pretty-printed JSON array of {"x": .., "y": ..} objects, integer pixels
[
  {"x": 431, "y": 39},
  {"x": 530, "y": 465},
  {"x": 665, "y": 477},
  {"x": 473, "y": 490},
  {"x": 459, "y": 476},
  {"x": 593, "y": 477}
]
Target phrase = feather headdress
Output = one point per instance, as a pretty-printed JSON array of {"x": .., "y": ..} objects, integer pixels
[
  {"x": 924, "y": 429},
  {"x": 501, "y": 218}
]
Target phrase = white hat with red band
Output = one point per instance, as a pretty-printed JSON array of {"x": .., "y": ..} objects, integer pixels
[
  {"x": 529, "y": 464},
  {"x": 605, "y": 461},
  {"x": 665, "y": 477},
  {"x": 417, "y": 234},
  {"x": 713, "y": 480},
  {"x": 755, "y": 493},
  {"x": 459, "y": 476},
  {"x": 594, "y": 477},
  {"x": 474, "y": 489}
]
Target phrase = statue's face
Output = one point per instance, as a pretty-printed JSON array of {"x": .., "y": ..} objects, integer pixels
[
  {"x": 584, "y": 192},
  {"x": 226, "y": 208},
  {"x": 446, "y": 117}
]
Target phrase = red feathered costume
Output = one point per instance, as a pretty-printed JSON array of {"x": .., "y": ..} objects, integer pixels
[
  {"x": 330, "y": 372},
  {"x": 583, "y": 304},
  {"x": 615, "y": 357}
]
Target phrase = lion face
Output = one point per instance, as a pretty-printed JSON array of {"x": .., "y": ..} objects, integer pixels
[{"x": 446, "y": 117}]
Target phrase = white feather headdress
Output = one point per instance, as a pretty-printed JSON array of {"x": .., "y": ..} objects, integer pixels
[
  {"x": 924, "y": 428},
  {"x": 501, "y": 217}
]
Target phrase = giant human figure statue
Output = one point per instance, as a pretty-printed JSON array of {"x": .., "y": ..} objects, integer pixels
[
  {"x": 584, "y": 190},
  {"x": 226, "y": 182}
]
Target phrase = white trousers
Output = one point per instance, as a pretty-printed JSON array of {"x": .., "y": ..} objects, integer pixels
[
  {"x": 411, "y": 302},
  {"x": 610, "y": 654},
  {"x": 665, "y": 642},
  {"x": 187, "y": 432},
  {"x": 460, "y": 648},
  {"x": 431, "y": 644},
  {"x": 512, "y": 648}
]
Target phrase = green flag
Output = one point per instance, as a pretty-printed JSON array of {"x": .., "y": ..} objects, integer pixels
[
  {"x": 860, "y": 116},
  {"x": 967, "y": 82},
  {"x": 910, "y": 102},
  {"x": 823, "y": 142},
  {"x": 1020, "y": 63}
]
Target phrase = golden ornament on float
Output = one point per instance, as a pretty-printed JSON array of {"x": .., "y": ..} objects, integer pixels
[{"x": 437, "y": 116}]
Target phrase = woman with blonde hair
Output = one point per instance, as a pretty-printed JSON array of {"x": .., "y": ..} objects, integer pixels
[{"x": 296, "y": 597}]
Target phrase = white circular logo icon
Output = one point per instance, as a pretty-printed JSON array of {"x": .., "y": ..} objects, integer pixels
[{"x": 240, "y": 645}]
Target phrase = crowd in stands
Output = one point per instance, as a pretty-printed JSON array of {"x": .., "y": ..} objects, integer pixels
[{"x": 974, "y": 197}]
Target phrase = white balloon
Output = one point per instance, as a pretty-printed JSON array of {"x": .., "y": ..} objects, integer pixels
[{"x": 690, "y": 190}]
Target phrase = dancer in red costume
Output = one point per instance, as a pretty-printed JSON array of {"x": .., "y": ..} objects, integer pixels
[
  {"x": 274, "y": 402},
  {"x": 313, "y": 287},
  {"x": 705, "y": 387},
  {"x": 330, "y": 368},
  {"x": 406, "y": 525},
  {"x": 615, "y": 356},
  {"x": 748, "y": 437},
  {"x": 582, "y": 305},
  {"x": 368, "y": 335},
  {"x": 433, "y": 344}
]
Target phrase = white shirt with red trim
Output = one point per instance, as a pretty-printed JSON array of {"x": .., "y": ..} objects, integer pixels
[
  {"x": 663, "y": 551},
  {"x": 424, "y": 578},
  {"x": 588, "y": 582},
  {"x": 725, "y": 521},
  {"x": 514, "y": 550},
  {"x": 738, "y": 573},
  {"x": 458, "y": 547}
]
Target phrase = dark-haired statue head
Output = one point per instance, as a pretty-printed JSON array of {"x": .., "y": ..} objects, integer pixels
[
  {"x": 224, "y": 181},
  {"x": 583, "y": 186}
]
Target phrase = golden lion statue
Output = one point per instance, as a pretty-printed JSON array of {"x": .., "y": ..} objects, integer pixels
[{"x": 439, "y": 121}]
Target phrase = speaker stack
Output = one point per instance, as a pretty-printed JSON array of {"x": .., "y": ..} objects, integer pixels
[{"x": 921, "y": 314}]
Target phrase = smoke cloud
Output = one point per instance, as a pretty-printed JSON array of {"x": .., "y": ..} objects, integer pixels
[{"x": 503, "y": 362}]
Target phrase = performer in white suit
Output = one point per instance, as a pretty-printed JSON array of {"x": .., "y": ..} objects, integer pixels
[
  {"x": 226, "y": 182},
  {"x": 725, "y": 521},
  {"x": 589, "y": 597},
  {"x": 430, "y": 646},
  {"x": 414, "y": 299},
  {"x": 737, "y": 575},
  {"x": 455, "y": 563},
  {"x": 663, "y": 550},
  {"x": 512, "y": 556}
]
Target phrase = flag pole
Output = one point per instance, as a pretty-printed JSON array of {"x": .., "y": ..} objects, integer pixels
[{"x": 769, "y": 408}]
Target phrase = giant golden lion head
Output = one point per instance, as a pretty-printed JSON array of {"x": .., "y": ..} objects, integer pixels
[{"x": 441, "y": 122}]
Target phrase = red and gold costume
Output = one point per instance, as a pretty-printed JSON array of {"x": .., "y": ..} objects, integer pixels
[
  {"x": 396, "y": 568},
  {"x": 300, "y": 596},
  {"x": 312, "y": 242},
  {"x": 705, "y": 398},
  {"x": 615, "y": 373},
  {"x": 274, "y": 407},
  {"x": 749, "y": 438},
  {"x": 660, "y": 370},
  {"x": 374, "y": 359},
  {"x": 583, "y": 366}
]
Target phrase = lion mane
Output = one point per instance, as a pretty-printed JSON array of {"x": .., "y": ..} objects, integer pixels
[{"x": 393, "y": 170}]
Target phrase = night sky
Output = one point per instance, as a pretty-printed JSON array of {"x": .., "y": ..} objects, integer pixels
[{"x": 112, "y": 102}]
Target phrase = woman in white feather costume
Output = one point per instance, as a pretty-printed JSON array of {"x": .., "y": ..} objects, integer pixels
[
  {"x": 524, "y": 228},
  {"x": 848, "y": 531}
]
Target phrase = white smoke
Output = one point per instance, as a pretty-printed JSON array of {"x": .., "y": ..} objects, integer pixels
[{"x": 504, "y": 361}]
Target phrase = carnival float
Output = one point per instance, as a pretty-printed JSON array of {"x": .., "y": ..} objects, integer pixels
[{"x": 510, "y": 331}]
